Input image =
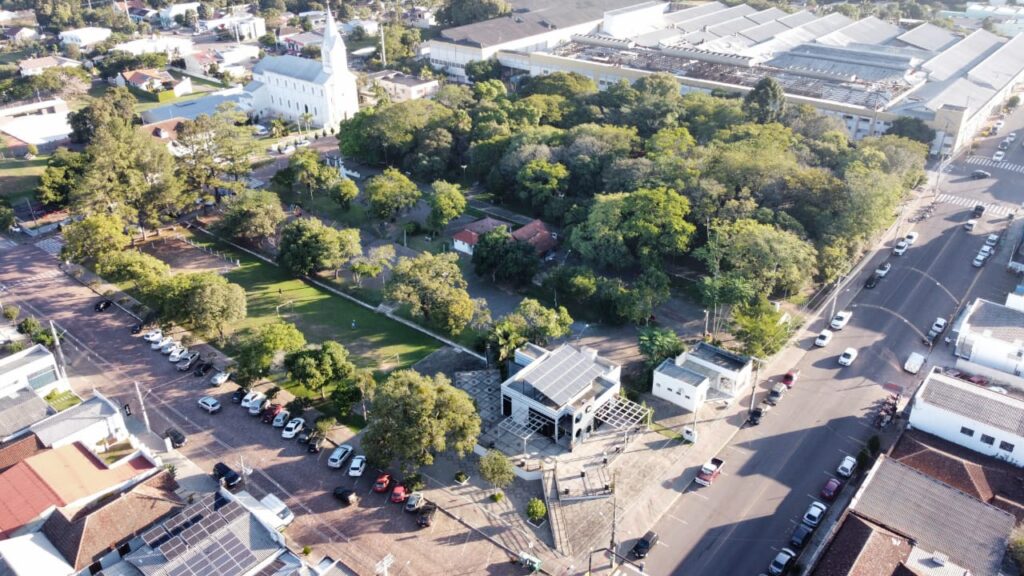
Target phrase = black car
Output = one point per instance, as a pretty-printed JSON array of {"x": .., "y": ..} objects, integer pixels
[
  {"x": 346, "y": 496},
  {"x": 872, "y": 281},
  {"x": 136, "y": 328},
  {"x": 316, "y": 443},
  {"x": 980, "y": 174},
  {"x": 801, "y": 534},
  {"x": 103, "y": 305},
  {"x": 643, "y": 546},
  {"x": 202, "y": 369},
  {"x": 177, "y": 438},
  {"x": 225, "y": 475},
  {"x": 306, "y": 436},
  {"x": 237, "y": 395},
  {"x": 757, "y": 414},
  {"x": 979, "y": 210},
  {"x": 426, "y": 516}
]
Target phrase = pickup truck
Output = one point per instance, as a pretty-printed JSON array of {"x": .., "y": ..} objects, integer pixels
[{"x": 709, "y": 471}]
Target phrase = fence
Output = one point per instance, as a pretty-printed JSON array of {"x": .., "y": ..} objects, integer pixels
[{"x": 235, "y": 262}]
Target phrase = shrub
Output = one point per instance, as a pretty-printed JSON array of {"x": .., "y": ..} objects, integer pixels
[
  {"x": 11, "y": 311},
  {"x": 1017, "y": 547},
  {"x": 863, "y": 459},
  {"x": 874, "y": 445},
  {"x": 15, "y": 346},
  {"x": 29, "y": 326},
  {"x": 414, "y": 482},
  {"x": 307, "y": 550},
  {"x": 536, "y": 510},
  {"x": 461, "y": 477},
  {"x": 497, "y": 497}
]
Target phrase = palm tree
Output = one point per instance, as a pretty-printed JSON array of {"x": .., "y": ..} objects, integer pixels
[
  {"x": 278, "y": 128},
  {"x": 305, "y": 119}
]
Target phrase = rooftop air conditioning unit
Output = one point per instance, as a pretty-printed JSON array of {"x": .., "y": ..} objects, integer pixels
[{"x": 940, "y": 559}]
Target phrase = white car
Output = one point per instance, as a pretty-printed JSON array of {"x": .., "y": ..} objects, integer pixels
[
  {"x": 815, "y": 512},
  {"x": 209, "y": 404},
  {"x": 302, "y": 143},
  {"x": 260, "y": 130},
  {"x": 883, "y": 270},
  {"x": 220, "y": 378},
  {"x": 992, "y": 240},
  {"x": 979, "y": 261},
  {"x": 153, "y": 335},
  {"x": 848, "y": 356},
  {"x": 288, "y": 150},
  {"x": 292, "y": 429},
  {"x": 901, "y": 248},
  {"x": 841, "y": 320},
  {"x": 970, "y": 224},
  {"x": 911, "y": 238},
  {"x": 257, "y": 404},
  {"x": 939, "y": 326},
  {"x": 985, "y": 251},
  {"x": 281, "y": 419},
  {"x": 338, "y": 457},
  {"x": 998, "y": 156},
  {"x": 847, "y": 466},
  {"x": 999, "y": 124},
  {"x": 178, "y": 354},
  {"x": 414, "y": 502},
  {"x": 159, "y": 344},
  {"x": 824, "y": 338},
  {"x": 171, "y": 348},
  {"x": 251, "y": 397},
  {"x": 1011, "y": 136},
  {"x": 357, "y": 466}
]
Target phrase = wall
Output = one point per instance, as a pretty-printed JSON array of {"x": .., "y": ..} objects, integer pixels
[
  {"x": 946, "y": 425},
  {"x": 666, "y": 388}
]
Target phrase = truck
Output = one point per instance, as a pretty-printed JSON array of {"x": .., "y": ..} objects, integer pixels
[{"x": 709, "y": 471}]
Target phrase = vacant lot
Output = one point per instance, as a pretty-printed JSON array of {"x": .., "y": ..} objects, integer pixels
[{"x": 19, "y": 178}]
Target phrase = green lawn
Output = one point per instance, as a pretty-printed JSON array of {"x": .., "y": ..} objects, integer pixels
[
  {"x": 19, "y": 178},
  {"x": 323, "y": 206},
  {"x": 144, "y": 105},
  {"x": 63, "y": 400}
]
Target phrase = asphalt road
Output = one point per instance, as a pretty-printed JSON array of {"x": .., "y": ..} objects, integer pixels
[{"x": 774, "y": 471}]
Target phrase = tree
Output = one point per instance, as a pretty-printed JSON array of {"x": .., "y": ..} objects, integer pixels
[
  {"x": 538, "y": 323},
  {"x": 147, "y": 272},
  {"x": 310, "y": 172},
  {"x": 344, "y": 191},
  {"x": 391, "y": 192},
  {"x": 434, "y": 289},
  {"x": 637, "y": 303},
  {"x": 376, "y": 261},
  {"x": 63, "y": 171},
  {"x": 540, "y": 181},
  {"x": 496, "y": 469},
  {"x": 308, "y": 246},
  {"x": 758, "y": 325},
  {"x": 502, "y": 259},
  {"x": 446, "y": 204},
  {"x": 1013, "y": 102},
  {"x": 459, "y": 12},
  {"x": 400, "y": 42},
  {"x": 213, "y": 303},
  {"x": 417, "y": 417},
  {"x": 321, "y": 368},
  {"x": 482, "y": 70},
  {"x": 256, "y": 352},
  {"x": 536, "y": 510},
  {"x": 913, "y": 128},
  {"x": 767, "y": 258},
  {"x": 116, "y": 103},
  {"x": 85, "y": 241},
  {"x": 253, "y": 216},
  {"x": 658, "y": 344},
  {"x": 569, "y": 85},
  {"x": 766, "y": 102}
]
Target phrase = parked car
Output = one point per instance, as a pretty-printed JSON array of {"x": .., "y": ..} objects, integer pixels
[
  {"x": 346, "y": 496},
  {"x": 790, "y": 378},
  {"x": 1011, "y": 137},
  {"x": 801, "y": 534},
  {"x": 399, "y": 494},
  {"x": 1003, "y": 145},
  {"x": 357, "y": 466},
  {"x": 426, "y": 516},
  {"x": 883, "y": 270},
  {"x": 823, "y": 338},
  {"x": 171, "y": 348},
  {"x": 339, "y": 455},
  {"x": 992, "y": 240},
  {"x": 847, "y": 466},
  {"x": 831, "y": 489},
  {"x": 186, "y": 362},
  {"x": 178, "y": 354},
  {"x": 872, "y": 281},
  {"x": 382, "y": 483},
  {"x": 209, "y": 404},
  {"x": 315, "y": 444},
  {"x": 103, "y": 305},
  {"x": 815, "y": 512},
  {"x": 782, "y": 561},
  {"x": 202, "y": 369},
  {"x": 970, "y": 224},
  {"x": 911, "y": 238},
  {"x": 238, "y": 395},
  {"x": 154, "y": 335},
  {"x": 294, "y": 426},
  {"x": 220, "y": 378},
  {"x": 225, "y": 475},
  {"x": 176, "y": 437},
  {"x": 253, "y": 397},
  {"x": 848, "y": 356},
  {"x": 281, "y": 419},
  {"x": 901, "y": 248},
  {"x": 841, "y": 319},
  {"x": 979, "y": 261},
  {"x": 257, "y": 407},
  {"x": 999, "y": 156},
  {"x": 757, "y": 414},
  {"x": 271, "y": 412},
  {"x": 775, "y": 396},
  {"x": 938, "y": 327},
  {"x": 414, "y": 502},
  {"x": 643, "y": 546},
  {"x": 159, "y": 344}
]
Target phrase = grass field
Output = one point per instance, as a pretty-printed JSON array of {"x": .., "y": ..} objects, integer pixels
[
  {"x": 323, "y": 206},
  {"x": 19, "y": 178}
]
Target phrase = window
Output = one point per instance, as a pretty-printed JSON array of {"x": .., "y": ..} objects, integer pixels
[
  {"x": 42, "y": 378},
  {"x": 986, "y": 439},
  {"x": 967, "y": 431},
  {"x": 1006, "y": 446}
]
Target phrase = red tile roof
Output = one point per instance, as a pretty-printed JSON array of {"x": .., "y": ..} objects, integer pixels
[
  {"x": 474, "y": 230},
  {"x": 537, "y": 234},
  {"x": 863, "y": 548},
  {"x": 17, "y": 450},
  {"x": 163, "y": 131}
]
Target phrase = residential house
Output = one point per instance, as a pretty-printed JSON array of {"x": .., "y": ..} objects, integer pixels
[
  {"x": 295, "y": 43},
  {"x": 169, "y": 13},
  {"x": 97, "y": 422},
  {"x": 316, "y": 18},
  {"x": 153, "y": 80},
  {"x": 140, "y": 14},
  {"x": 20, "y": 409},
  {"x": 537, "y": 234},
  {"x": 34, "y": 368},
  {"x": 970, "y": 415},
  {"x": 18, "y": 449},
  {"x": 703, "y": 373},
  {"x": 420, "y": 17},
  {"x": 166, "y": 132},
  {"x": 20, "y": 35},
  {"x": 36, "y": 66},
  {"x": 902, "y": 521},
  {"x": 368, "y": 27},
  {"x": 565, "y": 395},
  {"x": 172, "y": 46},
  {"x": 401, "y": 87},
  {"x": 202, "y": 63},
  {"x": 14, "y": 18},
  {"x": 240, "y": 27},
  {"x": 85, "y": 37},
  {"x": 464, "y": 240},
  {"x": 990, "y": 341}
]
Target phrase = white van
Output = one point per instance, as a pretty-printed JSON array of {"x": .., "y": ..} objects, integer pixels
[{"x": 914, "y": 363}]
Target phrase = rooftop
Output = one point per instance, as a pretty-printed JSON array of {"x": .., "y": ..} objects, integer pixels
[
  {"x": 25, "y": 357},
  {"x": 862, "y": 547},
  {"x": 972, "y": 401},
  {"x": 681, "y": 373},
  {"x": 17, "y": 450},
  {"x": 291, "y": 66},
  {"x": 536, "y": 234},
  {"x": 937, "y": 517},
  {"x": 19, "y": 410},
  {"x": 532, "y": 17},
  {"x": 63, "y": 424},
  {"x": 718, "y": 356},
  {"x": 564, "y": 374},
  {"x": 192, "y": 109},
  {"x": 996, "y": 320},
  {"x": 47, "y": 62}
]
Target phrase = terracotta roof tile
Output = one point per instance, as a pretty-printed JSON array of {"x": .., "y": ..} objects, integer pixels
[
  {"x": 537, "y": 234},
  {"x": 17, "y": 450}
]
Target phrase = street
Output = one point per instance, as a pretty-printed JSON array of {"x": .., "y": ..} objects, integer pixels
[{"x": 775, "y": 470}]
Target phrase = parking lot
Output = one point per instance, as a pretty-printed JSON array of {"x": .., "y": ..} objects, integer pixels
[{"x": 103, "y": 354}]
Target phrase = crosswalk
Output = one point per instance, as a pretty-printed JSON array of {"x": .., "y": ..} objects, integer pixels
[
  {"x": 990, "y": 163},
  {"x": 31, "y": 279},
  {"x": 990, "y": 209}
]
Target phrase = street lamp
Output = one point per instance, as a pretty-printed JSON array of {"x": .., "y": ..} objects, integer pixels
[
  {"x": 705, "y": 323},
  {"x": 580, "y": 335}
]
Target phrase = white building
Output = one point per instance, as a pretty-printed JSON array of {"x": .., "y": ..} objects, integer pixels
[
  {"x": 241, "y": 27},
  {"x": 290, "y": 86},
  {"x": 703, "y": 373},
  {"x": 96, "y": 421},
  {"x": 168, "y": 13},
  {"x": 401, "y": 87},
  {"x": 36, "y": 66},
  {"x": 974, "y": 417},
  {"x": 172, "y": 46},
  {"x": 420, "y": 17},
  {"x": 84, "y": 37},
  {"x": 34, "y": 368},
  {"x": 369, "y": 27},
  {"x": 990, "y": 342}
]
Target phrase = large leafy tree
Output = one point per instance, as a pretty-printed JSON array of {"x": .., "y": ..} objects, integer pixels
[
  {"x": 503, "y": 259},
  {"x": 117, "y": 103},
  {"x": 758, "y": 325},
  {"x": 319, "y": 369},
  {"x": 417, "y": 417},
  {"x": 767, "y": 258},
  {"x": 309, "y": 246},
  {"x": 212, "y": 303},
  {"x": 310, "y": 172},
  {"x": 391, "y": 192},
  {"x": 446, "y": 203},
  {"x": 257, "y": 351},
  {"x": 147, "y": 272},
  {"x": 658, "y": 344},
  {"x": 434, "y": 289},
  {"x": 496, "y": 469},
  {"x": 253, "y": 216},
  {"x": 766, "y": 102},
  {"x": 92, "y": 237},
  {"x": 63, "y": 171},
  {"x": 373, "y": 264},
  {"x": 540, "y": 181},
  {"x": 913, "y": 128}
]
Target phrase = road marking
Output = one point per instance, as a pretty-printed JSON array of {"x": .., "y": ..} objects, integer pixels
[
  {"x": 673, "y": 517},
  {"x": 983, "y": 161},
  {"x": 996, "y": 209}
]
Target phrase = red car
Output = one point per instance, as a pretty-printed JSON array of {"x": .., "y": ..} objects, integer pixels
[
  {"x": 271, "y": 412},
  {"x": 790, "y": 378},
  {"x": 831, "y": 488},
  {"x": 382, "y": 483},
  {"x": 399, "y": 494}
]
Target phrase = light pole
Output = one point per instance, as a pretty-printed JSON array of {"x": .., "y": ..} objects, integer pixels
[
  {"x": 705, "y": 323},
  {"x": 580, "y": 335}
]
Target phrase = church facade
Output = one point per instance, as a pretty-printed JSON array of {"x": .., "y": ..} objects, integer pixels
[{"x": 289, "y": 87}]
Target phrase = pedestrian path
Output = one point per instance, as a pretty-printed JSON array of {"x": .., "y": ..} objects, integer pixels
[
  {"x": 32, "y": 279},
  {"x": 993, "y": 209},
  {"x": 52, "y": 245},
  {"x": 988, "y": 162}
]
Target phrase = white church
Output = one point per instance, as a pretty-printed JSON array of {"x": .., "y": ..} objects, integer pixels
[{"x": 288, "y": 86}]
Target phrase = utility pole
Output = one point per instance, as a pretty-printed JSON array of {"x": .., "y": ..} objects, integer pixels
[
  {"x": 142, "y": 406},
  {"x": 61, "y": 364},
  {"x": 615, "y": 516}
]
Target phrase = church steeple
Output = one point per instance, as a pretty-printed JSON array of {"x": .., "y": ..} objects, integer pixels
[{"x": 332, "y": 51}]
